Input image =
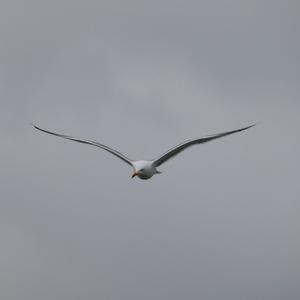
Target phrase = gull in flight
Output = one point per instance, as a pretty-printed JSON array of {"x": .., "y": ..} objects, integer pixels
[{"x": 145, "y": 169}]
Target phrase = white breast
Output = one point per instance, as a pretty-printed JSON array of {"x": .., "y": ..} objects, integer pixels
[{"x": 145, "y": 169}]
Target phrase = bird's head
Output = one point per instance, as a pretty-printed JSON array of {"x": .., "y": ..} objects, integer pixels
[
  {"x": 138, "y": 173},
  {"x": 143, "y": 169}
]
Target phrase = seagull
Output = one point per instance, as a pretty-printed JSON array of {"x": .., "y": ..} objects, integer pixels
[{"x": 145, "y": 169}]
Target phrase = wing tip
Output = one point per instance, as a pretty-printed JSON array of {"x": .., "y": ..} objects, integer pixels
[
  {"x": 250, "y": 126},
  {"x": 34, "y": 126}
]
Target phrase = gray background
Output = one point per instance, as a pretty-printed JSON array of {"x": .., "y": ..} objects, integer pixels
[{"x": 221, "y": 222}]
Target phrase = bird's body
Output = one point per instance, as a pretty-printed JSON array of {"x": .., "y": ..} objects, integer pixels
[{"x": 145, "y": 169}]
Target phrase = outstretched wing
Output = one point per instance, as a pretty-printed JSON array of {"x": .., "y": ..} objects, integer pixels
[
  {"x": 176, "y": 150},
  {"x": 83, "y": 141}
]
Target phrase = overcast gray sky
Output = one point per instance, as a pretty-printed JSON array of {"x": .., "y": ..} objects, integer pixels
[{"x": 222, "y": 221}]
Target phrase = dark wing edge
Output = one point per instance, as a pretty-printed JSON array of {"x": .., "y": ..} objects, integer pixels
[
  {"x": 177, "y": 149},
  {"x": 83, "y": 141}
]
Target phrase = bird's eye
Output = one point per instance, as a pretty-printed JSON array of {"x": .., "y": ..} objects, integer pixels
[{"x": 142, "y": 170}]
